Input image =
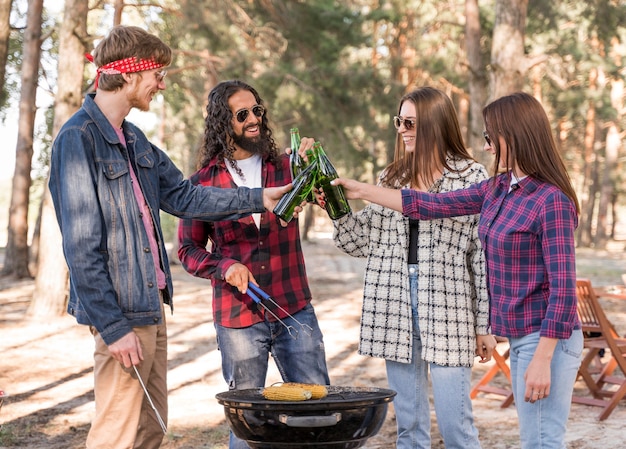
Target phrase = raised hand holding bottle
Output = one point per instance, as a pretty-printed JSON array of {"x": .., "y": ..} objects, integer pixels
[
  {"x": 336, "y": 203},
  {"x": 302, "y": 185}
]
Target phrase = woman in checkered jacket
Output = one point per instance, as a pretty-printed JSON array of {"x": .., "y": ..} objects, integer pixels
[{"x": 425, "y": 302}]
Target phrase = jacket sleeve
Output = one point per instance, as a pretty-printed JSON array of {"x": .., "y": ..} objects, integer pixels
[
  {"x": 351, "y": 233},
  {"x": 478, "y": 270},
  {"x": 479, "y": 277},
  {"x": 558, "y": 223},
  {"x": 179, "y": 197}
]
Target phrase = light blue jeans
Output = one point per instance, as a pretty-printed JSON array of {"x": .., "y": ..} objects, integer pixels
[
  {"x": 543, "y": 424},
  {"x": 451, "y": 387},
  {"x": 245, "y": 355}
]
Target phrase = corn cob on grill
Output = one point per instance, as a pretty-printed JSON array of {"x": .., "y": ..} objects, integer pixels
[{"x": 292, "y": 391}]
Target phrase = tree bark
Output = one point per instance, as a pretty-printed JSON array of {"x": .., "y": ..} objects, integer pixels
[
  {"x": 51, "y": 282},
  {"x": 607, "y": 188},
  {"x": 508, "y": 64},
  {"x": 5, "y": 32},
  {"x": 16, "y": 259},
  {"x": 478, "y": 83},
  {"x": 588, "y": 201}
]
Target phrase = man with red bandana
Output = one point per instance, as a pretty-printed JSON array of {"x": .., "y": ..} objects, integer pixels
[
  {"x": 108, "y": 183},
  {"x": 239, "y": 150}
]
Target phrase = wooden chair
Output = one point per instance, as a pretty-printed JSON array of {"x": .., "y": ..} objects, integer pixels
[
  {"x": 499, "y": 367},
  {"x": 600, "y": 334}
]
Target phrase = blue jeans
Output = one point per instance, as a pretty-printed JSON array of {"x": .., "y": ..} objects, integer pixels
[
  {"x": 245, "y": 355},
  {"x": 543, "y": 424},
  {"x": 451, "y": 387}
]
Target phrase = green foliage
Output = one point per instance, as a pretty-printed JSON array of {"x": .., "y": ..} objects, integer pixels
[
  {"x": 302, "y": 57},
  {"x": 336, "y": 69},
  {"x": 10, "y": 93}
]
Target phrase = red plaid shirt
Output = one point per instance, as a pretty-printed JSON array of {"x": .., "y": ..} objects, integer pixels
[{"x": 272, "y": 253}]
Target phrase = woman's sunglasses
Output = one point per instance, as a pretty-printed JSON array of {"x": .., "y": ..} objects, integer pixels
[
  {"x": 408, "y": 123},
  {"x": 487, "y": 138},
  {"x": 242, "y": 114}
]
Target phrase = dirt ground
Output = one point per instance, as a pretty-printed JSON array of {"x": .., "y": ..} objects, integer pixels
[{"x": 46, "y": 366}]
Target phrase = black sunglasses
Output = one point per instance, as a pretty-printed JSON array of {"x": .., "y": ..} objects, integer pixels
[
  {"x": 409, "y": 123},
  {"x": 487, "y": 138},
  {"x": 242, "y": 114}
]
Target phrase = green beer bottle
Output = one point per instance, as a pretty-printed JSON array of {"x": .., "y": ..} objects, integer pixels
[
  {"x": 296, "y": 162},
  {"x": 302, "y": 185},
  {"x": 311, "y": 158},
  {"x": 336, "y": 203}
]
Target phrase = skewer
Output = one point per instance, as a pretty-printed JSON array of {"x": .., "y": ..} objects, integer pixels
[{"x": 156, "y": 412}]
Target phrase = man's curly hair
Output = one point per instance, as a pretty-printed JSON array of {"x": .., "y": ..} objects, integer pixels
[{"x": 218, "y": 131}]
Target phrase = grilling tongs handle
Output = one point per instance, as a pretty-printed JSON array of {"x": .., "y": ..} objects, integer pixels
[
  {"x": 292, "y": 330},
  {"x": 264, "y": 296}
]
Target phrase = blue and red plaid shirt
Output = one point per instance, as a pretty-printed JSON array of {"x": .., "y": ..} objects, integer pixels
[
  {"x": 271, "y": 252},
  {"x": 528, "y": 238}
]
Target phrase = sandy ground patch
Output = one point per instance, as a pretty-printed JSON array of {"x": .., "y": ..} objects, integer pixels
[{"x": 46, "y": 367}]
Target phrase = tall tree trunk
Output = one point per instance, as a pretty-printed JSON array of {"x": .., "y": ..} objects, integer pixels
[
  {"x": 613, "y": 144},
  {"x": 478, "y": 83},
  {"x": 16, "y": 259},
  {"x": 5, "y": 32},
  {"x": 589, "y": 159},
  {"x": 51, "y": 282},
  {"x": 508, "y": 63},
  {"x": 118, "y": 8}
]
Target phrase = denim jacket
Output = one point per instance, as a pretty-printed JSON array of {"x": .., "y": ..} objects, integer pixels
[{"x": 113, "y": 284}]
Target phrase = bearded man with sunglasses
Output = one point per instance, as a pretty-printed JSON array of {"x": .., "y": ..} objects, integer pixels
[
  {"x": 239, "y": 150},
  {"x": 108, "y": 183}
]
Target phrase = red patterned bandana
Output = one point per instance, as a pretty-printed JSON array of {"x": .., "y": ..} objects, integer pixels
[{"x": 127, "y": 65}]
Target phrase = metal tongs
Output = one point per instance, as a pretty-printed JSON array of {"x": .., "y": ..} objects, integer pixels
[
  {"x": 156, "y": 412},
  {"x": 258, "y": 296}
]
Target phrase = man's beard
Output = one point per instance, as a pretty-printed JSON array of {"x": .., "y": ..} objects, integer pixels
[
  {"x": 256, "y": 145},
  {"x": 137, "y": 102}
]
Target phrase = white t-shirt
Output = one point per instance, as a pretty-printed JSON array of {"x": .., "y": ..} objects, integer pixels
[{"x": 251, "y": 169}]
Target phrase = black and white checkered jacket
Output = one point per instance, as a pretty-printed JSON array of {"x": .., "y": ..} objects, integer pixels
[{"x": 453, "y": 304}]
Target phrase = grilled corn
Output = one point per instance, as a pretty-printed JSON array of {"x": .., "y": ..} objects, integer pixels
[
  {"x": 286, "y": 393},
  {"x": 317, "y": 391}
]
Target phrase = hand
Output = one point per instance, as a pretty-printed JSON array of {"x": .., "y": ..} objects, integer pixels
[
  {"x": 537, "y": 375},
  {"x": 320, "y": 198},
  {"x": 127, "y": 350},
  {"x": 537, "y": 378},
  {"x": 485, "y": 345},
  {"x": 238, "y": 276},
  {"x": 306, "y": 143},
  {"x": 271, "y": 195},
  {"x": 354, "y": 190}
]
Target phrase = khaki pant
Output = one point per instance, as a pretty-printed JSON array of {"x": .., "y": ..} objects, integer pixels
[{"x": 124, "y": 417}]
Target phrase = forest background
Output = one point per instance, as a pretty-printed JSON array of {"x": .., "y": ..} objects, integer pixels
[{"x": 335, "y": 69}]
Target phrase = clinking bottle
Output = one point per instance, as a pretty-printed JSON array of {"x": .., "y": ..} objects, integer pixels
[
  {"x": 296, "y": 162},
  {"x": 336, "y": 203},
  {"x": 311, "y": 157},
  {"x": 302, "y": 185}
]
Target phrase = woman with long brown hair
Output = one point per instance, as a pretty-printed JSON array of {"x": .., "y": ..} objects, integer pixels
[{"x": 425, "y": 301}]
